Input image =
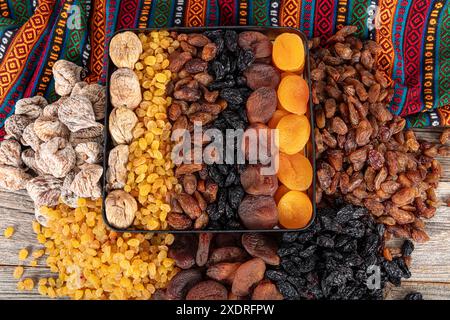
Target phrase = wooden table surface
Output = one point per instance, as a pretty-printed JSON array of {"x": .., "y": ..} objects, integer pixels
[{"x": 430, "y": 268}]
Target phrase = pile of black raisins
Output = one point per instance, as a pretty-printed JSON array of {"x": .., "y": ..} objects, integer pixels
[
  {"x": 337, "y": 257},
  {"x": 227, "y": 69}
]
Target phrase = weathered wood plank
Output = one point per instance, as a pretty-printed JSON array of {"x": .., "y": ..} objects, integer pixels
[
  {"x": 429, "y": 290},
  {"x": 8, "y": 285}
]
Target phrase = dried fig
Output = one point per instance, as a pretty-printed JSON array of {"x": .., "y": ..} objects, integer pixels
[
  {"x": 10, "y": 153},
  {"x": 120, "y": 208},
  {"x": 12, "y": 178},
  {"x": 56, "y": 157},
  {"x": 76, "y": 113},
  {"x": 30, "y": 107},
  {"x": 66, "y": 74},
  {"x": 86, "y": 182},
  {"x": 30, "y": 138},
  {"x": 125, "y": 49},
  {"x": 44, "y": 190},
  {"x": 88, "y": 152},
  {"x": 121, "y": 123},
  {"x": 46, "y": 128},
  {"x": 125, "y": 89},
  {"x": 29, "y": 159},
  {"x": 116, "y": 175},
  {"x": 96, "y": 95},
  {"x": 15, "y": 125},
  {"x": 67, "y": 196}
]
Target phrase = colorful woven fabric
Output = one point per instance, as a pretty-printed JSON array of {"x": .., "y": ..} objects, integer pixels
[{"x": 414, "y": 36}]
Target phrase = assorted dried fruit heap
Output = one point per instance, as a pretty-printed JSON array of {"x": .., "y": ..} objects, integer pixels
[
  {"x": 223, "y": 266},
  {"x": 338, "y": 258},
  {"x": 54, "y": 150},
  {"x": 364, "y": 154},
  {"x": 227, "y": 82}
]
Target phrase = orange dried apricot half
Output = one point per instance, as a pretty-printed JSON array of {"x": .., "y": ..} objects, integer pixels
[
  {"x": 288, "y": 53},
  {"x": 293, "y": 94},
  {"x": 295, "y": 171},
  {"x": 293, "y": 131},
  {"x": 294, "y": 210},
  {"x": 276, "y": 117}
]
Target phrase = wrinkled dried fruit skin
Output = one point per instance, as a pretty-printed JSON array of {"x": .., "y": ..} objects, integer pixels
[
  {"x": 120, "y": 208},
  {"x": 86, "y": 183},
  {"x": 227, "y": 254},
  {"x": 183, "y": 251},
  {"x": 30, "y": 138},
  {"x": 247, "y": 275},
  {"x": 204, "y": 242},
  {"x": 67, "y": 196},
  {"x": 10, "y": 153},
  {"x": 181, "y": 283},
  {"x": 12, "y": 178},
  {"x": 30, "y": 107},
  {"x": 116, "y": 175},
  {"x": 28, "y": 157},
  {"x": 124, "y": 89},
  {"x": 256, "y": 184},
  {"x": 258, "y": 212},
  {"x": 88, "y": 152},
  {"x": 208, "y": 290},
  {"x": 262, "y": 75},
  {"x": 96, "y": 94},
  {"x": 15, "y": 125},
  {"x": 261, "y": 105},
  {"x": 266, "y": 290},
  {"x": 257, "y": 42},
  {"x": 259, "y": 245},
  {"x": 121, "y": 123},
  {"x": 179, "y": 221},
  {"x": 76, "y": 113},
  {"x": 44, "y": 190},
  {"x": 125, "y": 49},
  {"x": 223, "y": 272},
  {"x": 66, "y": 74},
  {"x": 46, "y": 128},
  {"x": 190, "y": 205},
  {"x": 56, "y": 157}
]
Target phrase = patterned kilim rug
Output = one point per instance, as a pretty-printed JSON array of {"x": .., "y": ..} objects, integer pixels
[{"x": 414, "y": 35}]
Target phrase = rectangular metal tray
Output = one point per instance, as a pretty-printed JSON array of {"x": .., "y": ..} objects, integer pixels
[{"x": 271, "y": 32}]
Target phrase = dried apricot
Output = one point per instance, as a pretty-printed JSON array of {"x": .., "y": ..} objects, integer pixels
[
  {"x": 288, "y": 52},
  {"x": 281, "y": 191},
  {"x": 276, "y": 117},
  {"x": 294, "y": 131},
  {"x": 294, "y": 210},
  {"x": 261, "y": 105},
  {"x": 293, "y": 94},
  {"x": 295, "y": 171}
]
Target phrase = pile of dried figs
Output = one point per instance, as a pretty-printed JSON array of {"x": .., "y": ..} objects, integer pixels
[
  {"x": 54, "y": 150},
  {"x": 363, "y": 152},
  {"x": 222, "y": 267}
]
